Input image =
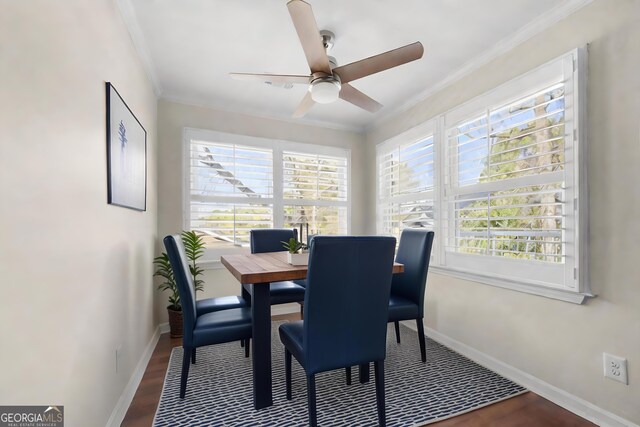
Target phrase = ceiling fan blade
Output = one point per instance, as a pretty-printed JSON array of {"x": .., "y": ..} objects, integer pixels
[
  {"x": 307, "y": 29},
  {"x": 271, "y": 78},
  {"x": 381, "y": 62},
  {"x": 304, "y": 106},
  {"x": 359, "y": 99}
]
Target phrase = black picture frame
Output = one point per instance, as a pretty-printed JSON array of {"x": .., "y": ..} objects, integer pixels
[{"x": 126, "y": 154}]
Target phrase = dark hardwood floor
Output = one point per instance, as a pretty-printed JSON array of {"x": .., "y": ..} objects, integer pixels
[{"x": 527, "y": 410}]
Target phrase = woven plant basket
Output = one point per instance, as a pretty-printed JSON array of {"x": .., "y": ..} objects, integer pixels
[{"x": 175, "y": 323}]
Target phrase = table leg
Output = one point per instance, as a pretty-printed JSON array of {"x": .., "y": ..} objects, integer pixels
[
  {"x": 364, "y": 373},
  {"x": 261, "y": 321},
  {"x": 246, "y": 295}
]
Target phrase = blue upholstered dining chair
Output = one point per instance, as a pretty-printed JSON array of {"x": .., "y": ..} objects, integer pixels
[
  {"x": 201, "y": 329},
  {"x": 407, "y": 289},
  {"x": 270, "y": 240},
  {"x": 209, "y": 305},
  {"x": 346, "y": 312}
]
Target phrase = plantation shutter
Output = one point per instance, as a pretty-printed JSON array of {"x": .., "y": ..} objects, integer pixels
[
  {"x": 406, "y": 187},
  {"x": 504, "y": 188},
  {"x": 231, "y": 191},
  {"x": 507, "y": 166},
  {"x": 315, "y": 192}
]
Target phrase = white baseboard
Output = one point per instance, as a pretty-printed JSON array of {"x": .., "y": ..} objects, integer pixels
[
  {"x": 293, "y": 307},
  {"x": 560, "y": 397},
  {"x": 120, "y": 410},
  {"x": 164, "y": 327},
  {"x": 275, "y": 310}
]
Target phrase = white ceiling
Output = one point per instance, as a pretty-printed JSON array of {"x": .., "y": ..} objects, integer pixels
[{"x": 192, "y": 45}]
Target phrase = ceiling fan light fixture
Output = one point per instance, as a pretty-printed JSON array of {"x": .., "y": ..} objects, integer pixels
[
  {"x": 325, "y": 81},
  {"x": 325, "y": 91}
]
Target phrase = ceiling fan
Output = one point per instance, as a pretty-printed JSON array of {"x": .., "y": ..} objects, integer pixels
[{"x": 328, "y": 82}]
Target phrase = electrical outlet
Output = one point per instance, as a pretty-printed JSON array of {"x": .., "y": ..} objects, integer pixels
[
  {"x": 615, "y": 368},
  {"x": 118, "y": 356}
]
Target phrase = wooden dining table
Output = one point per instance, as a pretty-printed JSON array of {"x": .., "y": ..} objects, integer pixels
[{"x": 260, "y": 270}]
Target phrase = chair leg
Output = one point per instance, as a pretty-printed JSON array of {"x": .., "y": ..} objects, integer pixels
[
  {"x": 301, "y": 310},
  {"x": 193, "y": 356},
  {"x": 246, "y": 347},
  {"x": 397, "y": 325},
  {"x": 347, "y": 371},
  {"x": 423, "y": 345},
  {"x": 364, "y": 369},
  {"x": 241, "y": 343},
  {"x": 379, "y": 372},
  {"x": 287, "y": 372},
  {"x": 311, "y": 398},
  {"x": 186, "y": 358}
]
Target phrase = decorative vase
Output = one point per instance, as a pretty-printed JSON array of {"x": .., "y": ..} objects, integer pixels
[
  {"x": 175, "y": 322},
  {"x": 298, "y": 259}
]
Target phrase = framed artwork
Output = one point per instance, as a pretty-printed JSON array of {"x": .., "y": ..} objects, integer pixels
[{"x": 126, "y": 154}]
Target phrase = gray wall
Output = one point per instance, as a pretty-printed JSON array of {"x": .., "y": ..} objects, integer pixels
[
  {"x": 559, "y": 342},
  {"x": 76, "y": 272},
  {"x": 174, "y": 117}
]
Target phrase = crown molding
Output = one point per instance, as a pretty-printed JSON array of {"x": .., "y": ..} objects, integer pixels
[
  {"x": 508, "y": 43},
  {"x": 128, "y": 13},
  {"x": 533, "y": 28},
  {"x": 280, "y": 118}
]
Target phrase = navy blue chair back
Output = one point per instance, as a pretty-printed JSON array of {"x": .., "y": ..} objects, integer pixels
[
  {"x": 414, "y": 252},
  {"x": 184, "y": 280},
  {"x": 270, "y": 239},
  {"x": 347, "y": 301}
]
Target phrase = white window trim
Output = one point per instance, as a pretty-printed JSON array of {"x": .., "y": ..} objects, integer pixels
[
  {"x": 537, "y": 273},
  {"x": 211, "y": 258},
  {"x": 577, "y": 60},
  {"x": 413, "y": 135}
]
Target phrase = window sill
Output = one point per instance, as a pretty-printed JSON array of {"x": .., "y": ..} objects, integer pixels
[
  {"x": 557, "y": 294},
  {"x": 211, "y": 258},
  {"x": 211, "y": 264}
]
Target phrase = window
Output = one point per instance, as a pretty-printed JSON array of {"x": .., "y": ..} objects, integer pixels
[
  {"x": 315, "y": 192},
  {"x": 237, "y": 183},
  {"x": 502, "y": 186},
  {"x": 406, "y": 176}
]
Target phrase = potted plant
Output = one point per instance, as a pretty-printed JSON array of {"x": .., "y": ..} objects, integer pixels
[
  {"x": 194, "y": 248},
  {"x": 296, "y": 252}
]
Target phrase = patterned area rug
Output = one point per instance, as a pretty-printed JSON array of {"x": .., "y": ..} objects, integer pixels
[{"x": 219, "y": 389}]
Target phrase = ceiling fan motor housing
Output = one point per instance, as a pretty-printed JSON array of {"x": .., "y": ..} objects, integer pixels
[
  {"x": 325, "y": 89},
  {"x": 326, "y": 81}
]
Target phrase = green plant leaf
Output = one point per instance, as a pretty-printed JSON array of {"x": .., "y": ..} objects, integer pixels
[
  {"x": 293, "y": 246},
  {"x": 194, "y": 247},
  {"x": 164, "y": 270}
]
